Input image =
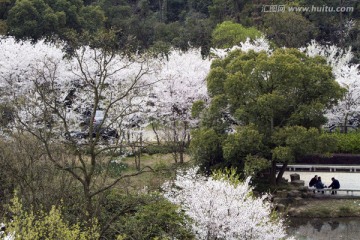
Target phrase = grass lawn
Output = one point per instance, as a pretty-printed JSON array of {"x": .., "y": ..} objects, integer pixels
[
  {"x": 164, "y": 168},
  {"x": 320, "y": 208}
]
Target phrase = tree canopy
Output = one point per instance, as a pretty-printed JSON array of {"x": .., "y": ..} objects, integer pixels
[
  {"x": 228, "y": 34},
  {"x": 182, "y": 24},
  {"x": 261, "y": 97},
  {"x": 36, "y": 19}
]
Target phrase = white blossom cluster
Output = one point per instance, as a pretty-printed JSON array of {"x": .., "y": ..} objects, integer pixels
[
  {"x": 222, "y": 210},
  {"x": 159, "y": 85},
  {"x": 43, "y": 80},
  {"x": 257, "y": 45},
  {"x": 182, "y": 80},
  {"x": 165, "y": 84},
  {"x": 347, "y": 75}
]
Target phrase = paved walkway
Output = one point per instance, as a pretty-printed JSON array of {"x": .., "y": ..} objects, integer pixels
[
  {"x": 348, "y": 180},
  {"x": 322, "y": 167}
]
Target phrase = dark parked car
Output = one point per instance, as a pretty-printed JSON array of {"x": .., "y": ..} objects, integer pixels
[
  {"x": 76, "y": 135},
  {"x": 106, "y": 133}
]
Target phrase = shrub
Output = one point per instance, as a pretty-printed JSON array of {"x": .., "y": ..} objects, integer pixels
[
  {"x": 145, "y": 216},
  {"x": 25, "y": 225},
  {"x": 347, "y": 143}
]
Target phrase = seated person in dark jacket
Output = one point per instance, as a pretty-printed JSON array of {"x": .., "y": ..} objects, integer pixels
[
  {"x": 319, "y": 184},
  {"x": 313, "y": 181},
  {"x": 334, "y": 185}
]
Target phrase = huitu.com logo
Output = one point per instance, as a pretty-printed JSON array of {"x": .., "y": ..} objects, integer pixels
[{"x": 323, "y": 9}]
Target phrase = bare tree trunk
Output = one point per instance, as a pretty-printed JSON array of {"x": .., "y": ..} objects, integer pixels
[
  {"x": 281, "y": 173},
  {"x": 342, "y": 38},
  {"x": 273, "y": 173},
  {"x": 345, "y": 123},
  {"x": 156, "y": 133},
  {"x": 181, "y": 152}
]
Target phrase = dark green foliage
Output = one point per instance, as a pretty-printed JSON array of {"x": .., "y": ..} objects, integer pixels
[
  {"x": 335, "y": 158},
  {"x": 295, "y": 142},
  {"x": 205, "y": 148},
  {"x": 159, "y": 25},
  {"x": 289, "y": 29},
  {"x": 274, "y": 104},
  {"x": 245, "y": 141},
  {"x": 3, "y": 27},
  {"x": 197, "y": 108},
  {"x": 36, "y": 19},
  {"x": 332, "y": 27},
  {"x": 145, "y": 217},
  {"x": 156, "y": 219}
]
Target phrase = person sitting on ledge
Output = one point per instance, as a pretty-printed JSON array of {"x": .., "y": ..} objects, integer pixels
[
  {"x": 319, "y": 184},
  {"x": 313, "y": 181},
  {"x": 334, "y": 185}
]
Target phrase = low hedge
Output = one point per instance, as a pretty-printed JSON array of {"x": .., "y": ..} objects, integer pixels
[{"x": 336, "y": 159}]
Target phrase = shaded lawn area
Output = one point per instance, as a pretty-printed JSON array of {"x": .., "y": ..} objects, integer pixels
[
  {"x": 164, "y": 168},
  {"x": 327, "y": 207}
]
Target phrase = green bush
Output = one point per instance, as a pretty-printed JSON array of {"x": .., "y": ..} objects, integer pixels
[
  {"x": 347, "y": 143},
  {"x": 145, "y": 216},
  {"x": 45, "y": 225}
]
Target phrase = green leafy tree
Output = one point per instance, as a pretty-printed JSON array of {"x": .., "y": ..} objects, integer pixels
[
  {"x": 206, "y": 148},
  {"x": 347, "y": 143},
  {"x": 157, "y": 219},
  {"x": 246, "y": 141},
  {"x": 36, "y": 19},
  {"x": 294, "y": 142},
  {"x": 33, "y": 19},
  {"x": 264, "y": 94},
  {"x": 145, "y": 216},
  {"x": 289, "y": 29},
  {"x": 228, "y": 34},
  {"x": 223, "y": 10}
]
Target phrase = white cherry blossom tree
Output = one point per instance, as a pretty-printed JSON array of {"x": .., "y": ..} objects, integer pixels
[
  {"x": 222, "y": 207},
  {"x": 53, "y": 97},
  {"x": 181, "y": 82}
]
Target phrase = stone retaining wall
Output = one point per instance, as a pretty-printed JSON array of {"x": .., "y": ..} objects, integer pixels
[{"x": 294, "y": 195}]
